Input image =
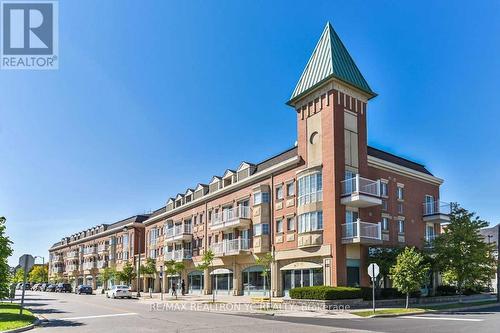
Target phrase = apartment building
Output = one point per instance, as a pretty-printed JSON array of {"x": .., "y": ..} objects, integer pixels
[
  {"x": 318, "y": 207},
  {"x": 81, "y": 257}
]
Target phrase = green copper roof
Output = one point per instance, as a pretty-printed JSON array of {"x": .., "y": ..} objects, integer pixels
[{"x": 330, "y": 58}]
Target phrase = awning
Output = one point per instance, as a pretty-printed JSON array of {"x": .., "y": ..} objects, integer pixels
[
  {"x": 300, "y": 265},
  {"x": 89, "y": 277},
  {"x": 221, "y": 271},
  {"x": 195, "y": 273}
]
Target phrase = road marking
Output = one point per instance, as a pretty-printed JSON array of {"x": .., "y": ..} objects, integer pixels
[
  {"x": 99, "y": 316},
  {"x": 441, "y": 318}
]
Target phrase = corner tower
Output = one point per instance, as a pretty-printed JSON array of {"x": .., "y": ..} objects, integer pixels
[{"x": 330, "y": 100}]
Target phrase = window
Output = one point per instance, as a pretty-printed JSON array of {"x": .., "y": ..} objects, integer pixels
[
  {"x": 290, "y": 189},
  {"x": 384, "y": 205},
  {"x": 279, "y": 226},
  {"x": 125, "y": 240},
  {"x": 310, "y": 221},
  {"x": 310, "y": 188},
  {"x": 260, "y": 197},
  {"x": 385, "y": 224},
  {"x": 400, "y": 208},
  {"x": 279, "y": 192},
  {"x": 383, "y": 189},
  {"x": 400, "y": 193},
  {"x": 261, "y": 229},
  {"x": 290, "y": 223},
  {"x": 401, "y": 226}
]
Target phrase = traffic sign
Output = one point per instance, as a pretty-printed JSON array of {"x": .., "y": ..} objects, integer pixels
[
  {"x": 26, "y": 262},
  {"x": 373, "y": 270}
]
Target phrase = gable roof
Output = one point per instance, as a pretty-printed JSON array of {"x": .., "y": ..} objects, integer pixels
[{"x": 330, "y": 59}]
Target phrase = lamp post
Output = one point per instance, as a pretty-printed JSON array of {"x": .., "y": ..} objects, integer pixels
[{"x": 43, "y": 268}]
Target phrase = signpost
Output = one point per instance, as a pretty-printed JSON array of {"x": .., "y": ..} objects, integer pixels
[
  {"x": 26, "y": 262},
  {"x": 373, "y": 271}
]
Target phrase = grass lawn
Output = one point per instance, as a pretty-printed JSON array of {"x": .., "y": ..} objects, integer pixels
[
  {"x": 10, "y": 318},
  {"x": 421, "y": 309}
]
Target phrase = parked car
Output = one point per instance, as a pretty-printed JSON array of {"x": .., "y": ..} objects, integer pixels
[
  {"x": 51, "y": 287},
  {"x": 119, "y": 291},
  {"x": 63, "y": 288},
  {"x": 19, "y": 286},
  {"x": 44, "y": 286},
  {"x": 35, "y": 286},
  {"x": 83, "y": 289}
]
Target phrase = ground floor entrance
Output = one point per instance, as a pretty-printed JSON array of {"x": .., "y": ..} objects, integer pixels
[
  {"x": 195, "y": 282},
  {"x": 222, "y": 281},
  {"x": 254, "y": 283},
  {"x": 301, "y": 278}
]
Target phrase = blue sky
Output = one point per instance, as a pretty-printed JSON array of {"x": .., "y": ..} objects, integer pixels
[{"x": 154, "y": 96}]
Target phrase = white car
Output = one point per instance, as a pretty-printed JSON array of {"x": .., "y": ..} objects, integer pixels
[{"x": 119, "y": 291}]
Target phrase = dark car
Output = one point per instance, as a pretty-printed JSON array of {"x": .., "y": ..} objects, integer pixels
[
  {"x": 63, "y": 288},
  {"x": 84, "y": 289},
  {"x": 51, "y": 287}
]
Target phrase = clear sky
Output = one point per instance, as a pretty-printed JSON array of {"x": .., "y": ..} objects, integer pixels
[{"x": 153, "y": 97}]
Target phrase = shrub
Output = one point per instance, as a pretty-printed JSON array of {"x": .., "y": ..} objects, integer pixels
[
  {"x": 446, "y": 290},
  {"x": 325, "y": 293},
  {"x": 385, "y": 293}
]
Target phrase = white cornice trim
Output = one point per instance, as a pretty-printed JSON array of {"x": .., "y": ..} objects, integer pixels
[
  {"x": 383, "y": 164},
  {"x": 245, "y": 182},
  {"x": 92, "y": 237}
]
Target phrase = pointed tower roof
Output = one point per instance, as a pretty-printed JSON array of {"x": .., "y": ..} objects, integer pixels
[{"x": 329, "y": 59}]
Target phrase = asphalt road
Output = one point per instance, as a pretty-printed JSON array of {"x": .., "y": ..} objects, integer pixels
[{"x": 95, "y": 313}]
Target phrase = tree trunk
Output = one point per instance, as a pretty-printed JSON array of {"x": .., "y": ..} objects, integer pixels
[{"x": 407, "y": 299}]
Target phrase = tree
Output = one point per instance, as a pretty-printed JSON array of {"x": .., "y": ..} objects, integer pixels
[
  {"x": 266, "y": 261},
  {"x": 107, "y": 274},
  {"x": 410, "y": 272},
  {"x": 207, "y": 262},
  {"x": 385, "y": 258},
  {"x": 5, "y": 252},
  {"x": 126, "y": 274},
  {"x": 149, "y": 269},
  {"x": 462, "y": 255},
  {"x": 173, "y": 267},
  {"x": 38, "y": 273},
  {"x": 18, "y": 276}
]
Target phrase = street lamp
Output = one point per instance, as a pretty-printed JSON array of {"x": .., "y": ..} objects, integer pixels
[
  {"x": 125, "y": 229},
  {"x": 43, "y": 268}
]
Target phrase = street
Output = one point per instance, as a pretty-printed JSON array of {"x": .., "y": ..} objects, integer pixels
[{"x": 91, "y": 313}]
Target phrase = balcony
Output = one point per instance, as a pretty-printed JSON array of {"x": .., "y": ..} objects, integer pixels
[
  {"x": 179, "y": 233},
  {"x": 362, "y": 233},
  {"x": 232, "y": 218},
  {"x": 72, "y": 255},
  {"x": 230, "y": 247},
  {"x": 57, "y": 270},
  {"x": 436, "y": 211},
  {"x": 89, "y": 251},
  {"x": 71, "y": 268},
  {"x": 57, "y": 258},
  {"x": 102, "y": 264},
  {"x": 89, "y": 265},
  {"x": 178, "y": 255},
  {"x": 360, "y": 192},
  {"x": 103, "y": 248}
]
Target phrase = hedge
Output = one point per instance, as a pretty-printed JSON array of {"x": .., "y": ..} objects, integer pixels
[
  {"x": 385, "y": 293},
  {"x": 325, "y": 293}
]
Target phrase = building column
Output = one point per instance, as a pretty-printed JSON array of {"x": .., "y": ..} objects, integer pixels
[
  {"x": 236, "y": 280},
  {"x": 327, "y": 271},
  {"x": 276, "y": 288},
  {"x": 156, "y": 284}
]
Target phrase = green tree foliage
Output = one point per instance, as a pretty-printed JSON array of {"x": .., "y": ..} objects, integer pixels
[
  {"x": 5, "y": 252},
  {"x": 127, "y": 273},
  {"x": 207, "y": 261},
  {"x": 107, "y": 274},
  {"x": 38, "y": 273},
  {"x": 149, "y": 269},
  {"x": 410, "y": 272},
  {"x": 266, "y": 261},
  {"x": 18, "y": 276},
  {"x": 173, "y": 267},
  {"x": 385, "y": 258},
  {"x": 461, "y": 253}
]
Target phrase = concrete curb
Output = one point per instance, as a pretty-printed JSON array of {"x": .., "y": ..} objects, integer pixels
[{"x": 465, "y": 308}]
